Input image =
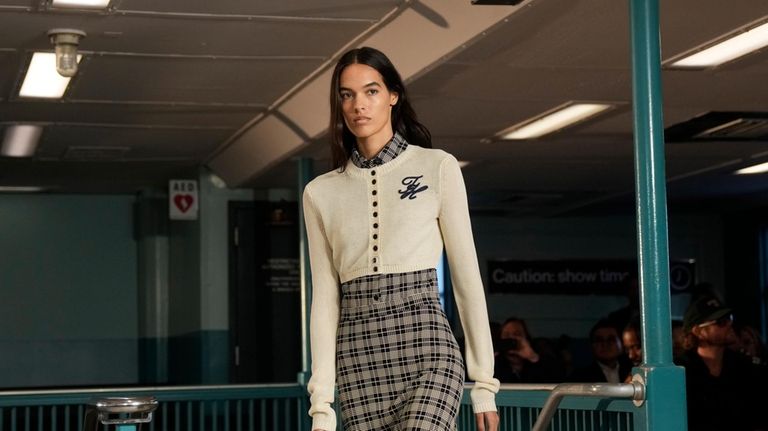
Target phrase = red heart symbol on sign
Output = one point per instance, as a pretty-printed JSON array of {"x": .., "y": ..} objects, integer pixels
[{"x": 183, "y": 202}]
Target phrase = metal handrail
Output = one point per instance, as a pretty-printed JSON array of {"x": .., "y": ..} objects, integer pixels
[
  {"x": 634, "y": 391},
  {"x": 28, "y": 392}
]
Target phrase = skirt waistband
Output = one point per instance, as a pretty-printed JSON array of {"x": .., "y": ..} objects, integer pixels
[{"x": 373, "y": 292}]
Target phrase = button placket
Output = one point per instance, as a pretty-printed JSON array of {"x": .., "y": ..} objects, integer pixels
[
  {"x": 374, "y": 231},
  {"x": 374, "y": 211}
]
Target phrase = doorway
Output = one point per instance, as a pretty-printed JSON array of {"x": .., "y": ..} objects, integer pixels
[{"x": 265, "y": 320}]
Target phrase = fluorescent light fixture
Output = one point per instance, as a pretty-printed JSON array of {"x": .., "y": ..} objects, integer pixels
[
  {"x": 755, "y": 169},
  {"x": 727, "y": 50},
  {"x": 463, "y": 163},
  {"x": 91, "y": 4},
  {"x": 42, "y": 80},
  {"x": 20, "y": 189},
  {"x": 20, "y": 140},
  {"x": 554, "y": 120}
]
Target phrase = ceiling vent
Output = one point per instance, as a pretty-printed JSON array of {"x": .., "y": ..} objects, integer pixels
[
  {"x": 721, "y": 126},
  {"x": 78, "y": 153}
]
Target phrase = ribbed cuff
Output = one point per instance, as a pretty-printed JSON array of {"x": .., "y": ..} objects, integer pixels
[
  {"x": 483, "y": 400},
  {"x": 485, "y": 406},
  {"x": 323, "y": 422}
]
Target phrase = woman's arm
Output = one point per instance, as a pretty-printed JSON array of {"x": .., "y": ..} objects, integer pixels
[
  {"x": 456, "y": 229},
  {"x": 324, "y": 319}
]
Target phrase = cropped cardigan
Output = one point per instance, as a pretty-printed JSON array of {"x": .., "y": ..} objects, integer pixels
[{"x": 392, "y": 218}]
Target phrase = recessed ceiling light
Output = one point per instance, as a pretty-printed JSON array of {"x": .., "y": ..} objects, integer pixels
[
  {"x": 554, "y": 120},
  {"x": 42, "y": 80},
  {"x": 726, "y": 50},
  {"x": 755, "y": 169},
  {"x": 20, "y": 140},
  {"x": 101, "y": 4}
]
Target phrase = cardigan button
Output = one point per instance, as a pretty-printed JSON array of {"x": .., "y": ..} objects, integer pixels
[
  {"x": 373, "y": 181},
  {"x": 375, "y": 269},
  {"x": 375, "y": 214},
  {"x": 375, "y": 225},
  {"x": 375, "y": 203},
  {"x": 375, "y": 236},
  {"x": 375, "y": 248},
  {"x": 373, "y": 172},
  {"x": 373, "y": 192}
]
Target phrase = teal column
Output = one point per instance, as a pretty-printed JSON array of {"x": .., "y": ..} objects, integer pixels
[
  {"x": 305, "y": 174},
  {"x": 151, "y": 234},
  {"x": 665, "y": 408}
]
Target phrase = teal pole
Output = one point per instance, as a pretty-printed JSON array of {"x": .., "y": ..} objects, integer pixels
[
  {"x": 305, "y": 175},
  {"x": 665, "y": 383}
]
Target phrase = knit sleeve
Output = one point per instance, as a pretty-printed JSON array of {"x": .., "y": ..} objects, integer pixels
[
  {"x": 324, "y": 320},
  {"x": 456, "y": 229}
]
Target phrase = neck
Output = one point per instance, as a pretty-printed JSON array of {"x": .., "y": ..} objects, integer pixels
[
  {"x": 372, "y": 145},
  {"x": 713, "y": 357}
]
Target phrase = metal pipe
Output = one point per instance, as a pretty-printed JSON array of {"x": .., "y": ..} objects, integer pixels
[
  {"x": 109, "y": 390},
  {"x": 634, "y": 391},
  {"x": 305, "y": 175},
  {"x": 650, "y": 183}
]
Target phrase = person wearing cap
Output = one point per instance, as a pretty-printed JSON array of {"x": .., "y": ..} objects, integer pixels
[{"x": 718, "y": 379}]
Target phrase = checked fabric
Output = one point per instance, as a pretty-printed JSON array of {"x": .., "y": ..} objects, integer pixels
[{"x": 399, "y": 366}]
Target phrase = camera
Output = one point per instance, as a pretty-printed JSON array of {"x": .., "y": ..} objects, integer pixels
[{"x": 509, "y": 344}]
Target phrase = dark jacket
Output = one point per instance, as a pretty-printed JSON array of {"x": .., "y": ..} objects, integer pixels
[
  {"x": 736, "y": 400},
  {"x": 592, "y": 373},
  {"x": 546, "y": 370}
]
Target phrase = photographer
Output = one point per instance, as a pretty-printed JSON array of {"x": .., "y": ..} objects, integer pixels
[{"x": 518, "y": 362}]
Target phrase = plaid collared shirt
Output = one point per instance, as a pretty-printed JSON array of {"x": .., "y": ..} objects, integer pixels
[{"x": 394, "y": 147}]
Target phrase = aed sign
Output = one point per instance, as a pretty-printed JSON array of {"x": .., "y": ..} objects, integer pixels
[{"x": 182, "y": 199}]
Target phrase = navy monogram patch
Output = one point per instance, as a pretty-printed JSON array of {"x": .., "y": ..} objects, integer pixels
[{"x": 412, "y": 186}]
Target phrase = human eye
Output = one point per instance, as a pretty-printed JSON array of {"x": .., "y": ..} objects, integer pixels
[
  {"x": 345, "y": 95},
  {"x": 373, "y": 91}
]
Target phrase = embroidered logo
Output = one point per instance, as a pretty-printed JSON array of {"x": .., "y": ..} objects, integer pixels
[{"x": 412, "y": 186}]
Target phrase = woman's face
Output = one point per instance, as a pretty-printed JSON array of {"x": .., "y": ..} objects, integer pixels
[
  {"x": 512, "y": 329},
  {"x": 606, "y": 345},
  {"x": 632, "y": 346},
  {"x": 366, "y": 103}
]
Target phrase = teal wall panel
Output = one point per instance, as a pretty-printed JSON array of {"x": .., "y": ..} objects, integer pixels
[{"x": 68, "y": 307}]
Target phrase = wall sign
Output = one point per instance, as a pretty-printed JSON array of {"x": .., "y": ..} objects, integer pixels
[
  {"x": 608, "y": 277},
  {"x": 182, "y": 199}
]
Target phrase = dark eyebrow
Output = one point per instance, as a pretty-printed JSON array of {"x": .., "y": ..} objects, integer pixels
[{"x": 370, "y": 84}]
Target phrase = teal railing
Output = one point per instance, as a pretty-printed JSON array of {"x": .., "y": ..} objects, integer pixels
[
  {"x": 284, "y": 408},
  {"x": 520, "y": 406},
  {"x": 194, "y": 408}
]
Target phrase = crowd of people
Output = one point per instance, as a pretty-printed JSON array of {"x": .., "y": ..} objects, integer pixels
[{"x": 725, "y": 360}]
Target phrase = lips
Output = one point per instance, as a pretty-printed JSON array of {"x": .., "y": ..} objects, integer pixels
[{"x": 361, "y": 120}]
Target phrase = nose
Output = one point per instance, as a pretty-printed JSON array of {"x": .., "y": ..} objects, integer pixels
[{"x": 359, "y": 104}]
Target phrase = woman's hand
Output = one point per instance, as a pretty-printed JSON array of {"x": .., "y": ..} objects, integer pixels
[
  {"x": 487, "y": 421},
  {"x": 526, "y": 350}
]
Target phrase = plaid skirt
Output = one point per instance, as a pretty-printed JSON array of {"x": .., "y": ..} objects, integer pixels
[{"x": 399, "y": 367}]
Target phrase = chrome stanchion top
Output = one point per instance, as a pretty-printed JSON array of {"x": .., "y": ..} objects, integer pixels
[{"x": 120, "y": 411}]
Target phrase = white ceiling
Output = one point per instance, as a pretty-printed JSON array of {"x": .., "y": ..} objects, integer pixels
[{"x": 168, "y": 86}]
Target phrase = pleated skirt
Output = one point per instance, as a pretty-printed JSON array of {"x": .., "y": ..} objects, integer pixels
[{"x": 399, "y": 367}]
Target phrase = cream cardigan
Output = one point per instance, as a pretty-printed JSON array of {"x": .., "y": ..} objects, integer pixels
[{"x": 392, "y": 218}]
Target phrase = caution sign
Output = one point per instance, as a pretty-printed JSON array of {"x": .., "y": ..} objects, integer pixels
[
  {"x": 182, "y": 199},
  {"x": 607, "y": 277}
]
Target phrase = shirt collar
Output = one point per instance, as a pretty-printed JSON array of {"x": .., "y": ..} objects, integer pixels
[{"x": 394, "y": 147}]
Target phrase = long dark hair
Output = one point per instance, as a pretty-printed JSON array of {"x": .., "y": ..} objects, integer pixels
[{"x": 403, "y": 116}]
